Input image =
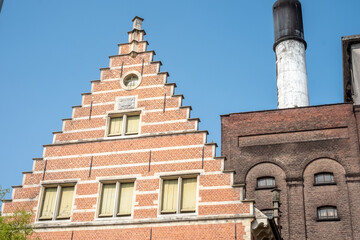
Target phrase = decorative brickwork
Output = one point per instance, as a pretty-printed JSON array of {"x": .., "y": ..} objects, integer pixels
[
  {"x": 166, "y": 143},
  {"x": 293, "y": 145}
]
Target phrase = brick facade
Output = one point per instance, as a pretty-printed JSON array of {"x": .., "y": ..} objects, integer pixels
[
  {"x": 293, "y": 145},
  {"x": 168, "y": 144}
]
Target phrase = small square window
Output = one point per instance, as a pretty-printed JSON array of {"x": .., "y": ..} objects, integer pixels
[
  {"x": 126, "y": 124},
  {"x": 171, "y": 196},
  {"x": 56, "y": 203},
  {"x": 116, "y": 199}
]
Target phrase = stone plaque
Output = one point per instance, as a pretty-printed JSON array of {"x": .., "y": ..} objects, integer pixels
[{"x": 124, "y": 103}]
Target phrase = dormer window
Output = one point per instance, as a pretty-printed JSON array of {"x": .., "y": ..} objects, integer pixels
[
  {"x": 265, "y": 182},
  {"x": 124, "y": 124},
  {"x": 327, "y": 213},
  {"x": 324, "y": 178}
]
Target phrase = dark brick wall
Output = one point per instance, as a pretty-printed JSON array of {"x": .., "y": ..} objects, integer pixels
[{"x": 292, "y": 145}]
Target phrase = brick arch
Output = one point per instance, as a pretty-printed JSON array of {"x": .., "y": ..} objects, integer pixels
[
  {"x": 309, "y": 162},
  {"x": 325, "y": 195},
  {"x": 251, "y": 167},
  {"x": 263, "y": 197}
]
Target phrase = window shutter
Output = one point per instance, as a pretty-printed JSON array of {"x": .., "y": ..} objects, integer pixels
[
  {"x": 66, "y": 199},
  {"x": 125, "y": 200},
  {"x": 188, "y": 198},
  {"x": 116, "y": 126},
  {"x": 169, "y": 198},
  {"x": 48, "y": 206},
  {"x": 132, "y": 125},
  {"x": 107, "y": 200}
]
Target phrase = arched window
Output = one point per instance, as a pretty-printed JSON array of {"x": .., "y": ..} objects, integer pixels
[
  {"x": 266, "y": 182},
  {"x": 324, "y": 178},
  {"x": 327, "y": 213}
]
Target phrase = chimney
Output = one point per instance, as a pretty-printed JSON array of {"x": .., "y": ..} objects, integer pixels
[{"x": 290, "y": 49}]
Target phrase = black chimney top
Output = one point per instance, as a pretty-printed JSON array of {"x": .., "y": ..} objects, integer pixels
[{"x": 288, "y": 22}]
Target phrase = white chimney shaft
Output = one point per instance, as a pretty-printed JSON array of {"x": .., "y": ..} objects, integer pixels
[
  {"x": 291, "y": 74},
  {"x": 290, "y": 48}
]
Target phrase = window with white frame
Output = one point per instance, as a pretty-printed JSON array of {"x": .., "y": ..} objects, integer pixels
[
  {"x": 124, "y": 124},
  {"x": 179, "y": 195},
  {"x": 116, "y": 199},
  {"x": 56, "y": 202}
]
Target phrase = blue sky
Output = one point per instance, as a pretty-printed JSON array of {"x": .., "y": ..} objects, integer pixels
[{"x": 218, "y": 52}]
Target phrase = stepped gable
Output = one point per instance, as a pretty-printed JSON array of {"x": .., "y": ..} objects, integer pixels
[{"x": 165, "y": 142}]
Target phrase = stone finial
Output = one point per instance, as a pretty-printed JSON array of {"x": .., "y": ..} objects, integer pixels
[{"x": 137, "y": 22}]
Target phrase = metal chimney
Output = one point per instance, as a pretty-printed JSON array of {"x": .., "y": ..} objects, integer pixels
[{"x": 290, "y": 49}]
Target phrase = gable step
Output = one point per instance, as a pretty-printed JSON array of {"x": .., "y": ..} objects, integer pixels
[{"x": 131, "y": 53}]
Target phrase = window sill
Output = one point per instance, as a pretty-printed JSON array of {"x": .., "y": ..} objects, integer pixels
[
  {"x": 328, "y": 219},
  {"x": 265, "y": 188},
  {"x": 324, "y": 184}
]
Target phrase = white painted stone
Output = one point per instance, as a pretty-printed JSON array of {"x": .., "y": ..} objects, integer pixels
[
  {"x": 291, "y": 74},
  {"x": 355, "y": 57}
]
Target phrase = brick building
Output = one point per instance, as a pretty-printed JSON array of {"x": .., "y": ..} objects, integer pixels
[
  {"x": 130, "y": 163},
  {"x": 309, "y": 153}
]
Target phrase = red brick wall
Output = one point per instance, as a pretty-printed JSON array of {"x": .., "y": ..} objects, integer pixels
[{"x": 167, "y": 135}]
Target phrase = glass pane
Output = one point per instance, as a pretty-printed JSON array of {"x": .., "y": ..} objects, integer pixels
[
  {"x": 66, "y": 199},
  {"x": 48, "y": 206},
  {"x": 132, "y": 126},
  {"x": 125, "y": 200},
  {"x": 327, "y": 178},
  {"x": 331, "y": 212},
  {"x": 318, "y": 179},
  {"x": 261, "y": 182},
  {"x": 116, "y": 126},
  {"x": 131, "y": 81},
  {"x": 107, "y": 200},
  {"x": 322, "y": 213},
  {"x": 270, "y": 182},
  {"x": 188, "y": 197},
  {"x": 169, "y": 197}
]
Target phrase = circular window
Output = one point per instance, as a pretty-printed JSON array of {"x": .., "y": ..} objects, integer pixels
[{"x": 130, "y": 81}]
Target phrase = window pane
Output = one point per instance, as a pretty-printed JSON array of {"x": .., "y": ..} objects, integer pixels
[
  {"x": 266, "y": 182},
  {"x": 132, "y": 126},
  {"x": 125, "y": 200},
  {"x": 318, "y": 178},
  {"x": 48, "y": 206},
  {"x": 261, "y": 183},
  {"x": 169, "y": 197},
  {"x": 327, "y": 178},
  {"x": 107, "y": 200},
  {"x": 116, "y": 126},
  {"x": 188, "y": 197},
  {"x": 65, "y": 202},
  {"x": 324, "y": 178}
]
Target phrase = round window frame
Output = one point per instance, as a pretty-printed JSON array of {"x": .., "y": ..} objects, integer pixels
[{"x": 128, "y": 88}]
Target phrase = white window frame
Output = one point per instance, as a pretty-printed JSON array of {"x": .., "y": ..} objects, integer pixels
[
  {"x": 124, "y": 115},
  {"x": 116, "y": 199},
  {"x": 179, "y": 194},
  {"x": 57, "y": 201}
]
